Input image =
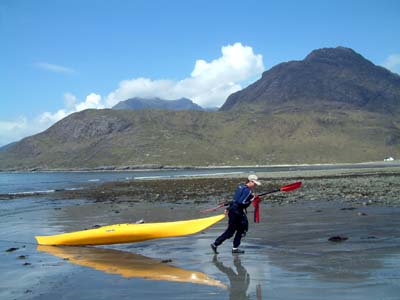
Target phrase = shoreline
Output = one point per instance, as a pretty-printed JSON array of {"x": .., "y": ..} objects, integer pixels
[
  {"x": 157, "y": 167},
  {"x": 359, "y": 187}
]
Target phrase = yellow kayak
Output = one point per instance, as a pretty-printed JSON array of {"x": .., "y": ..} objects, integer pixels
[
  {"x": 129, "y": 233},
  {"x": 128, "y": 265}
]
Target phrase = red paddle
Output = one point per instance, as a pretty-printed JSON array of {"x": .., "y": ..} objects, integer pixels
[{"x": 286, "y": 188}]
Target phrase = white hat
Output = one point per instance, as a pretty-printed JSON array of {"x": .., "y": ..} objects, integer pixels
[{"x": 254, "y": 179}]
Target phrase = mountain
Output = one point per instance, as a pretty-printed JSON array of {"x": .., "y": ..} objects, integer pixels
[
  {"x": 6, "y": 147},
  {"x": 157, "y": 103},
  {"x": 123, "y": 138},
  {"x": 328, "y": 78},
  {"x": 333, "y": 106}
]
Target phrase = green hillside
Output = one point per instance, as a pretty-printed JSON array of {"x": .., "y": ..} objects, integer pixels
[{"x": 94, "y": 138}]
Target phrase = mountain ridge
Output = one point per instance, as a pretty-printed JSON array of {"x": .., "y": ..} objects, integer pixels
[{"x": 138, "y": 103}]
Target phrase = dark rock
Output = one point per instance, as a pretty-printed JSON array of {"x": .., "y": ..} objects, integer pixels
[
  {"x": 338, "y": 238},
  {"x": 348, "y": 208},
  {"x": 165, "y": 261},
  {"x": 12, "y": 249}
]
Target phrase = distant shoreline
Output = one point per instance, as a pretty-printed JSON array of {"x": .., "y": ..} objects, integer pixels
[{"x": 150, "y": 167}]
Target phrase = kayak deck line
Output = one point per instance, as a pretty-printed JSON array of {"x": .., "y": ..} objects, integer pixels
[{"x": 129, "y": 233}]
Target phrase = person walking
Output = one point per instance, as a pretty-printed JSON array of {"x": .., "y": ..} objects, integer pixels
[{"x": 238, "y": 223}]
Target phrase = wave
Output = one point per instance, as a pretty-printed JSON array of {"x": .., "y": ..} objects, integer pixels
[
  {"x": 42, "y": 192},
  {"x": 188, "y": 175},
  {"x": 31, "y": 193}
]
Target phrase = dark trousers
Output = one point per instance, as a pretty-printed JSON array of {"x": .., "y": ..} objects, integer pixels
[{"x": 237, "y": 223}]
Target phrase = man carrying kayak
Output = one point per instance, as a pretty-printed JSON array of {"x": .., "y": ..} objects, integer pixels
[{"x": 236, "y": 211}]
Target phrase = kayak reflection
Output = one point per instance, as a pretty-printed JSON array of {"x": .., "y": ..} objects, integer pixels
[
  {"x": 239, "y": 280},
  {"x": 127, "y": 264}
]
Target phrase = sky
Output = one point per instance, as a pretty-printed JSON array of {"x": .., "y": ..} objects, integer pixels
[{"x": 58, "y": 57}]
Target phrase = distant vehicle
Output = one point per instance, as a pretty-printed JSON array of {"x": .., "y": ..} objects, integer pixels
[{"x": 388, "y": 158}]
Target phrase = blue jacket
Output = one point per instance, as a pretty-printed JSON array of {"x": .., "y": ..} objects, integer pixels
[{"x": 241, "y": 199}]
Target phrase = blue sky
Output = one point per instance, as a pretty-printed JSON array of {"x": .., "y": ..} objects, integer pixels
[{"x": 62, "y": 56}]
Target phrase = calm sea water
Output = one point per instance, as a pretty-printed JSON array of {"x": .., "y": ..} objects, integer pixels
[{"x": 51, "y": 181}]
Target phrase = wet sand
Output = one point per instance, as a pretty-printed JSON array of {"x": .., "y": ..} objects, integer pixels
[{"x": 288, "y": 255}]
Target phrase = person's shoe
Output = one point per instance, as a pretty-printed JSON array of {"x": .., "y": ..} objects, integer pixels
[
  {"x": 214, "y": 248},
  {"x": 237, "y": 251}
]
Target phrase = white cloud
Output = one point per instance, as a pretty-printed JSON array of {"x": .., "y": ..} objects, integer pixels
[
  {"x": 392, "y": 63},
  {"x": 14, "y": 130},
  {"x": 209, "y": 84},
  {"x": 92, "y": 101},
  {"x": 54, "y": 68}
]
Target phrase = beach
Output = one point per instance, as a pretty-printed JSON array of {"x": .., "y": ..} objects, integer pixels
[{"x": 337, "y": 236}]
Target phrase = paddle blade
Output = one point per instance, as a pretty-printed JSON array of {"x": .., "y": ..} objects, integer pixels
[{"x": 291, "y": 187}]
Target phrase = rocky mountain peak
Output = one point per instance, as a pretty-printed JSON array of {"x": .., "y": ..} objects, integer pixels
[
  {"x": 339, "y": 53},
  {"x": 327, "y": 77}
]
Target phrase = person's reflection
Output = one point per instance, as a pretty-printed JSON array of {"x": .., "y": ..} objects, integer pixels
[{"x": 239, "y": 281}]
